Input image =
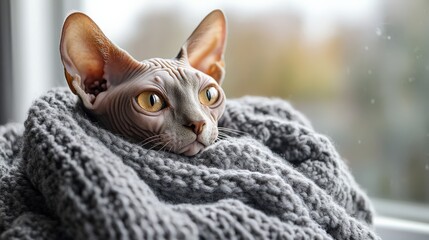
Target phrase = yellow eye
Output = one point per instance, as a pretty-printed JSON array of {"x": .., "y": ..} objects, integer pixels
[
  {"x": 150, "y": 101},
  {"x": 209, "y": 96}
]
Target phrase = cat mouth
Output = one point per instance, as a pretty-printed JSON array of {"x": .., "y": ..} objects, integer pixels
[{"x": 192, "y": 148}]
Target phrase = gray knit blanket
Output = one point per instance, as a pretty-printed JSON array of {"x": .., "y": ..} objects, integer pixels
[{"x": 62, "y": 176}]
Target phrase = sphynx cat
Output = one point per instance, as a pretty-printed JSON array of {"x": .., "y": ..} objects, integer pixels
[{"x": 168, "y": 104}]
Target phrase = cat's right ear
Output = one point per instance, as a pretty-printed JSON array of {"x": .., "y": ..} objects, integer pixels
[{"x": 92, "y": 63}]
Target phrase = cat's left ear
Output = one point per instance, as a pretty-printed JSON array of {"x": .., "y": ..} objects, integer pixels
[
  {"x": 92, "y": 63},
  {"x": 205, "y": 48}
]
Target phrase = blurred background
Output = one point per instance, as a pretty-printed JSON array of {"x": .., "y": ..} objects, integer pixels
[{"x": 359, "y": 70}]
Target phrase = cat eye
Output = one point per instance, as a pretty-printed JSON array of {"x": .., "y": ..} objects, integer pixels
[
  {"x": 209, "y": 96},
  {"x": 151, "y": 101}
]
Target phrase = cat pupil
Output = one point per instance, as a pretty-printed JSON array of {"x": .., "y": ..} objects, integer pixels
[
  {"x": 152, "y": 99},
  {"x": 209, "y": 94}
]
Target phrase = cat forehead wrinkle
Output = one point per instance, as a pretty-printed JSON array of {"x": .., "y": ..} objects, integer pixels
[
  {"x": 135, "y": 72},
  {"x": 178, "y": 70},
  {"x": 169, "y": 65},
  {"x": 164, "y": 75},
  {"x": 185, "y": 76},
  {"x": 165, "y": 63},
  {"x": 192, "y": 76}
]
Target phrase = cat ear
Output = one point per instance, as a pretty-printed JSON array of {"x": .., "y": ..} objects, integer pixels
[
  {"x": 205, "y": 47},
  {"x": 92, "y": 63}
]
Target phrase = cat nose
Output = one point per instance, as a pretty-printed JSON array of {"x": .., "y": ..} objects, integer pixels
[{"x": 196, "y": 126}]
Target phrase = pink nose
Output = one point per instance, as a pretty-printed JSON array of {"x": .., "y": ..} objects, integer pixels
[{"x": 196, "y": 126}]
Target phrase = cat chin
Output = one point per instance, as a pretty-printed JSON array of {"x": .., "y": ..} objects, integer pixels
[{"x": 192, "y": 149}]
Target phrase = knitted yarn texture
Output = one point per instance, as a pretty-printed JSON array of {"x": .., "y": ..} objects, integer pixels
[{"x": 62, "y": 176}]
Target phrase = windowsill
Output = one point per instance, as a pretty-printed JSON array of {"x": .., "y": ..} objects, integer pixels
[
  {"x": 398, "y": 229},
  {"x": 410, "y": 211},
  {"x": 397, "y": 220}
]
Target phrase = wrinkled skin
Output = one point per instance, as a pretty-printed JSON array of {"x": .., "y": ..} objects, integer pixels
[
  {"x": 169, "y": 128},
  {"x": 108, "y": 81}
]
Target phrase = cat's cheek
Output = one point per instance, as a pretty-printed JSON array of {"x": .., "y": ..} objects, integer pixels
[
  {"x": 216, "y": 114},
  {"x": 154, "y": 124},
  {"x": 151, "y": 122},
  {"x": 218, "y": 111}
]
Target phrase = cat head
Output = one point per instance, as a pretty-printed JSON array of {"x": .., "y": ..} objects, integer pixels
[{"x": 169, "y": 104}]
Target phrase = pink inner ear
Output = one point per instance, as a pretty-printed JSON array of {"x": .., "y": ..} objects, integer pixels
[
  {"x": 202, "y": 57},
  {"x": 92, "y": 72},
  {"x": 88, "y": 53}
]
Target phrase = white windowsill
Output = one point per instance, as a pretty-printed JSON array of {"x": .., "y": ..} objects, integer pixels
[
  {"x": 396, "y": 220},
  {"x": 398, "y": 229},
  {"x": 416, "y": 212}
]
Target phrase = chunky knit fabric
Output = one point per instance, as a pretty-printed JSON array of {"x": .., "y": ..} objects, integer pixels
[{"x": 62, "y": 176}]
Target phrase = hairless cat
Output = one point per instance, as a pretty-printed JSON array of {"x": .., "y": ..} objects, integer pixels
[{"x": 168, "y": 104}]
